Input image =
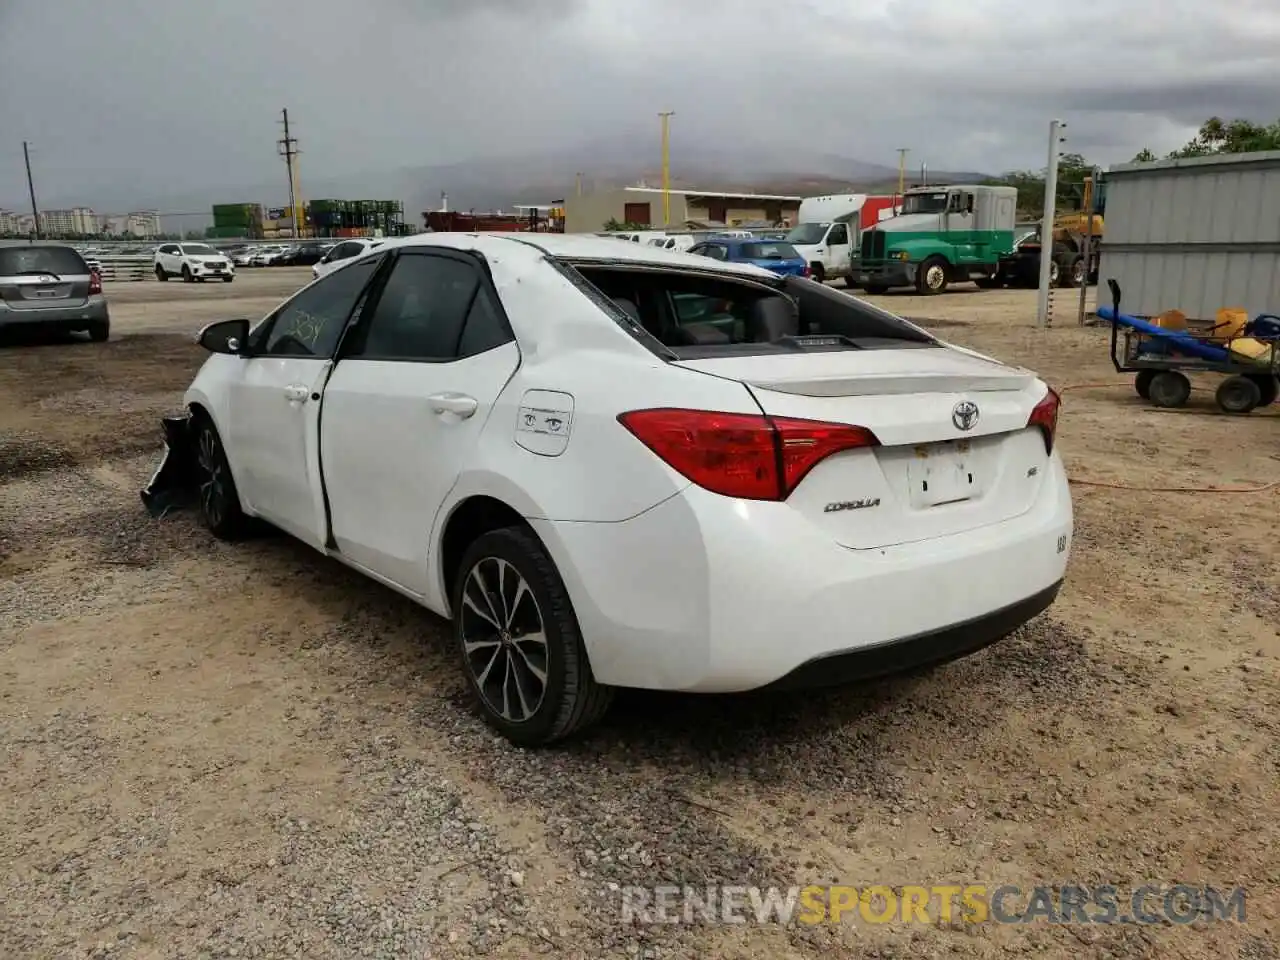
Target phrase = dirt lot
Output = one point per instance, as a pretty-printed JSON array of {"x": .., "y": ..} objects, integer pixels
[{"x": 249, "y": 751}]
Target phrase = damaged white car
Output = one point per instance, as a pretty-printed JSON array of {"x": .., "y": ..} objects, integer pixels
[{"x": 612, "y": 465}]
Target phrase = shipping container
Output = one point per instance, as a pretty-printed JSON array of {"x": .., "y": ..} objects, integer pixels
[{"x": 1194, "y": 235}]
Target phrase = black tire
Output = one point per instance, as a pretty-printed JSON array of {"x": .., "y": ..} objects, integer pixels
[
  {"x": 160, "y": 274},
  {"x": 987, "y": 283},
  {"x": 227, "y": 279},
  {"x": 931, "y": 278},
  {"x": 1238, "y": 395},
  {"x": 219, "y": 500},
  {"x": 1268, "y": 388},
  {"x": 99, "y": 331},
  {"x": 875, "y": 288},
  {"x": 186, "y": 274},
  {"x": 1142, "y": 383},
  {"x": 1078, "y": 274},
  {"x": 818, "y": 272},
  {"x": 1169, "y": 388},
  {"x": 570, "y": 699}
]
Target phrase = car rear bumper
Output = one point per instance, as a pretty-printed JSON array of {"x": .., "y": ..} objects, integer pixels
[
  {"x": 92, "y": 311},
  {"x": 707, "y": 594}
]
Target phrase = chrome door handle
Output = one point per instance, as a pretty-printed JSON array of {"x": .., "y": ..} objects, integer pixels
[
  {"x": 296, "y": 392},
  {"x": 458, "y": 404}
]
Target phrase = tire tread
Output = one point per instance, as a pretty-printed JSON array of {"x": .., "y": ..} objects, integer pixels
[{"x": 583, "y": 700}]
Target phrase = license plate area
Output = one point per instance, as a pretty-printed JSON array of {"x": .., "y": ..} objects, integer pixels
[{"x": 942, "y": 473}]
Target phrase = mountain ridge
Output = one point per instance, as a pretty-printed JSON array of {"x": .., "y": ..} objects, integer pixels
[{"x": 501, "y": 182}]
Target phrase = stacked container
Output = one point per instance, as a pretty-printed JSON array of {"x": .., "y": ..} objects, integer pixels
[{"x": 237, "y": 220}]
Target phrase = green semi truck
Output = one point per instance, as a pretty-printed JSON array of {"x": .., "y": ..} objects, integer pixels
[{"x": 943, "y": 235}]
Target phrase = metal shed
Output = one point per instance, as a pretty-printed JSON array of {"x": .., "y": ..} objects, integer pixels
[{"x": 1194, "y": 234}]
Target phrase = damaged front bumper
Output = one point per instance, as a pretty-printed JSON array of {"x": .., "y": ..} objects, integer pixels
[{"x": 176, "y": 481}]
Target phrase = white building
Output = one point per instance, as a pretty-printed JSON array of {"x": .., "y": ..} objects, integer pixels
[
  {"x": 10, "y": 221},
  {"x": 77, "y": 220},
  {"x": 144, "y": 223},
  {"x": 139, "y": 224}
]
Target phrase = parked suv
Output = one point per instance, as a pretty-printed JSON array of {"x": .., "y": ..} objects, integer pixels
[
  {"x": 192, "y": 262},
  {"x": 49, "y": 285}
]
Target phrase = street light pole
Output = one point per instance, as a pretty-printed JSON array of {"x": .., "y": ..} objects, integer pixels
[
  {"x": 31, "y": 189},
  {"x": 666, "y": 166}
]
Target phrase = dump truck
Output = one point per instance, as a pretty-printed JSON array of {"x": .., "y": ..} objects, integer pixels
[{"x": 944, "y": 235}]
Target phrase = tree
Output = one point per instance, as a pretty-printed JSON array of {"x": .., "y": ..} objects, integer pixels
[
  {"x": 613, "y": 225},
  {"x": 1072, "y": 170},
  {"x": 1218, "y": 136}
]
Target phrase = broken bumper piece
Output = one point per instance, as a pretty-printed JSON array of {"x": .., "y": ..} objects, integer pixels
[{"x": 176, "y": 481}]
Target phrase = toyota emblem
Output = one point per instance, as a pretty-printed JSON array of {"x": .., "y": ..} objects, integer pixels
[{"x": 965, "y": 415}]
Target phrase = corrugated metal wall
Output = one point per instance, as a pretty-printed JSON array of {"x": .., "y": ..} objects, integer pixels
[{"x": 1194, "y": 235}]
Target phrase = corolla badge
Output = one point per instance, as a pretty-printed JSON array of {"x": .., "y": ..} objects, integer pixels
[{"x": 965, "y": 415}]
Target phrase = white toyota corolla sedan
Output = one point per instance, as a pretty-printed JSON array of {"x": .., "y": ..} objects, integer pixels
[{"x": 613, "y": 465}]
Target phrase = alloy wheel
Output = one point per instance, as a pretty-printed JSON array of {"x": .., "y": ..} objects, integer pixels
[
  {"x": 934, "y": 277},
  {"x": 213, "y": 479},
  {"x": 503, "y": 639}
]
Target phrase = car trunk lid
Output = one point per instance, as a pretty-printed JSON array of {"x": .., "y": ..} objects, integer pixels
[{"x": 955, "y": 452}]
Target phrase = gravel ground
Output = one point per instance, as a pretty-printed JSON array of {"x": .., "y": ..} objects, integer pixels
[{"x": 249, "y": 751}]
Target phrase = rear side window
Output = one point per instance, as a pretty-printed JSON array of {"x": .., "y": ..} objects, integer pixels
[
  {"x": 769, "y": 251},
  {"x": 433, "y": 307},
  {"x": 30, "y": 261}
]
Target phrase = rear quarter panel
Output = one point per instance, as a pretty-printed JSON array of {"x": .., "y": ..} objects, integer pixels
[{"x": 569, "y": 346}]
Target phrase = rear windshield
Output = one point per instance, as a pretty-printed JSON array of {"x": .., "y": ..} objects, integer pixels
[
  {"x": 684, "y": 314},
  {"x": 769, "y": 251},
  {"x": 63, "y": 261}
]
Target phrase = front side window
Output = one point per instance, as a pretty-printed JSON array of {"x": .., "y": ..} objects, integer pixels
[{"x": 311, "y": 323}]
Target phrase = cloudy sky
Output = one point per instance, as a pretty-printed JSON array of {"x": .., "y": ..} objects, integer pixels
[{"x": 182, "y": 93}]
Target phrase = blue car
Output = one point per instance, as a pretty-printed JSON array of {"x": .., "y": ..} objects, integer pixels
[{"x": 775, "y": 255}]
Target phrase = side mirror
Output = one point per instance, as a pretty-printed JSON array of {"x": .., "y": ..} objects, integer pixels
[{"x": 226, "y": 336}]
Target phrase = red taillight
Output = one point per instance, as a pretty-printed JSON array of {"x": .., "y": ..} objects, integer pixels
[
  {"x": 1045, "y": 416},
  {"x": 95, "y": 281},
  {"x": 739, "y": 454}
]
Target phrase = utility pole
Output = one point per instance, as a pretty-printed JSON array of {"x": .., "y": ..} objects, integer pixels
[
  {"x": 1046, "y": 225},
  {"x": 902, "y": 170},
  {"x": 666, "y": 166},
  {"x": 287, "y": 147},
  {"x": 31, "y": 189}
]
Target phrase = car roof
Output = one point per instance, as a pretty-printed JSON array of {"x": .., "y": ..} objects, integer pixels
[{"x": 574, "y": 246}]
